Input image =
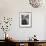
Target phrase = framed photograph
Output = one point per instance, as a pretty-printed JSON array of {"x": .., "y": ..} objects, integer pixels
[{"x": 25, "y": 19}]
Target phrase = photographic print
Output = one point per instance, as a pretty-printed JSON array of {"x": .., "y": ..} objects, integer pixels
[{"x": 25, "y": 19}]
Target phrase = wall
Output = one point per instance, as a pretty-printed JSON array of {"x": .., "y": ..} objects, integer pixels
[{"x": 11, "y": 8}]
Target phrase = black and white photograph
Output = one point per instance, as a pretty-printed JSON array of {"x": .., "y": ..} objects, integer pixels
[{"x": 25, "y": 19}]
